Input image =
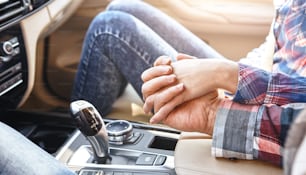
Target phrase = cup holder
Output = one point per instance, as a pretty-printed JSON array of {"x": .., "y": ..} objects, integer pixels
[{"x": 163, "y": 143}]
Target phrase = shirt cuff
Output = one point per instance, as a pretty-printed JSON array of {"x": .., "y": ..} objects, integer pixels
[
  {"x": 233, "y": 135},
  {"x": 252, "y": 85}
]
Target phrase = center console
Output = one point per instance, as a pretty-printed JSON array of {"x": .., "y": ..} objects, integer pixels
[
  {"x": 13, "y": 67},
  {"x": 149, "y": 150},
  {"x": 116, "y": 147}
]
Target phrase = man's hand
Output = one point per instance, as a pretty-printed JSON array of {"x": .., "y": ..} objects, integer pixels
[{"x": 197, "y": 115}]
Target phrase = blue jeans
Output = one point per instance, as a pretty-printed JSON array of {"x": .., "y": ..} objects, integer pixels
[
  {"x": 19, "y": 156},
  {"x": 121, "y": 43}
]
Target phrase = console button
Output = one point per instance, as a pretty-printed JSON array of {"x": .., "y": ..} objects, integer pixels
[
  {"x": 134, "y": 138},
  {"x": 7, "y": 48},
  {"x": 148, "y": 173},
  {"x": 160, "y": 160},
  {"x": 123, "y": 173},
  {"x": 146, "y": 159},
  {"x": 91, "y": 172},
  {"x": 108, "y": 173},
  {"x": 14, "y": 41}
]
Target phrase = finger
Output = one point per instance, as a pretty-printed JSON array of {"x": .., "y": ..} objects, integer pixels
[
  {"x": 162, "y": 60},
  {"x": 150, "y": 87},
  {"x": 154, "y": 72},
  {"x": 160, "y": 98},
  {"x": 182, "y": 56},
  {"x": 148, "y": 104},
  {"x": 164, "y": 111},
  {"x": 167, "y": 95}
]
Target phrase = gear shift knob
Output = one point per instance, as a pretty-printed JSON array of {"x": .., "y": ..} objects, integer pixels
[{"x": 92, "y": 127}]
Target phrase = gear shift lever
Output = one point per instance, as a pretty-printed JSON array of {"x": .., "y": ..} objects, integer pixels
[{"x": 92, "y": 127}]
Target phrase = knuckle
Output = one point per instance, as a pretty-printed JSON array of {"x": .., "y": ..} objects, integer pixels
[
  {"x": 150, "y": 100},
  {"x": 159, "y": 97},
  {"x": 143, "y": 76},
  {"x": 163, "y": 113},
  {"x": 145, "y": 88}
]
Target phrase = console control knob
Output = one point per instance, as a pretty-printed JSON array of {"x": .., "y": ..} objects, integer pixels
[
  {"x": 7, "y": 50},
  {"x": 119, "y": 131}
]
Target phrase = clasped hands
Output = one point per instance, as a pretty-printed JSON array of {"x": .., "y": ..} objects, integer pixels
[{"x": 184, "y": 94}]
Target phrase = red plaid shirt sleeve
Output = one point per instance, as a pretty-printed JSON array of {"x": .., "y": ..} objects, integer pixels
[
  {"x": 253, "y": 131},
  {"x": 286, "y": 83}
]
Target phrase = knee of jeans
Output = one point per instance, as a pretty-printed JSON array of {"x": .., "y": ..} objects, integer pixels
[
  {"x": 111, "y": 21},
  {"x": 126, "y": 6},
  {"x": 117, "y": 5}
]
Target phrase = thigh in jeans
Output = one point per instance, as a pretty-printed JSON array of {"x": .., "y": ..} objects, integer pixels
[{"x": 118, "y": 47}]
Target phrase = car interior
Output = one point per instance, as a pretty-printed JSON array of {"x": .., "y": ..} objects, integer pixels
[{"x": 41, "y": 42}]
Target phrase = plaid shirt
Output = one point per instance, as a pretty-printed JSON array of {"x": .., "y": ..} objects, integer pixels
[
  {"x": 286, "y": 82},
  {"x": 253, "y": 131},
  {"x": 256, "y": 126}
]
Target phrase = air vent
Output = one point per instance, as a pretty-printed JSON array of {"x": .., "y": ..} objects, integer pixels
[{"x": 11, "y": 9}]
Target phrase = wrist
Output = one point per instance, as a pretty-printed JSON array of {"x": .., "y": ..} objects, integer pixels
[{"x": 227, "y": 77}]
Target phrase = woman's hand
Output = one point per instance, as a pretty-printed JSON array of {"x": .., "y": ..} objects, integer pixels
[
  {"x": 184, "y": 80},
  {"x": 157, "y": 77},
  {"x": 199, "y": 76}
]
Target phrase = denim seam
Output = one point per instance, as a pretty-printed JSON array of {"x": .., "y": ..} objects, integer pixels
[{"x": 93, "y": 40}]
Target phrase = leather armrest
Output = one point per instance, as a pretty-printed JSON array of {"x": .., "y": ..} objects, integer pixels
[{"x": 193, "y": 157}]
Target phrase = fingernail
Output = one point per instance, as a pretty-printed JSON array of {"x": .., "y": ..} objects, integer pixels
[
  {"x": 166, "y": 60},
  {"x": 152, "y": 121},
  {"x": 145, "y": 110},
  {"x": 148, "y": 112},
  {"x": 180, "y": 86},
  {"x": 171, "y": 78},
  {"x": 169, "y": 69}
]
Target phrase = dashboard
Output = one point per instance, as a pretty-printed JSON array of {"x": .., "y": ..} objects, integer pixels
[
  {"x": 13, "y": 10},
  {"x": 13, "y": 59},
  {"x": 22, "y": 24}
]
